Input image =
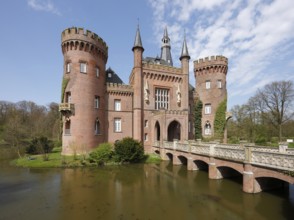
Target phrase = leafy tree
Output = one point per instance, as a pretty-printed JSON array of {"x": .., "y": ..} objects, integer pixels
[
  {"x": 277, "y": 98},
  {"x": 198, "y": 119},
  {"x": 128, "y": 150}
]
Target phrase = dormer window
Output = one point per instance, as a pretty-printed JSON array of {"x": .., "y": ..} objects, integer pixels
[{"x": 109, "y": 75}]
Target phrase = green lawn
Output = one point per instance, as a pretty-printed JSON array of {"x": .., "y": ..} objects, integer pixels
[{"x": 57, "y": 160}]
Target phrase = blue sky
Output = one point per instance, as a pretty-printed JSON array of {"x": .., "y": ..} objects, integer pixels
[{"x": 256, "y": 35}]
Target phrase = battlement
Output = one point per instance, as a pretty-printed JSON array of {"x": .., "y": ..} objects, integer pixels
[
  {"x": 81, "y": 34},
  {"x": 208, "y": 61},
  {"x": 116, "y": 88}
]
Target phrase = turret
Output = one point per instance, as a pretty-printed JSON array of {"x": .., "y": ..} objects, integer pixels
[
  {"x": 83, "y": 102},
  {"x": 165, "y": 49},
  {"x": 184, "y": 58},
  {"x": 210, "y": 74},
  {"x": 138, "y": 104}
]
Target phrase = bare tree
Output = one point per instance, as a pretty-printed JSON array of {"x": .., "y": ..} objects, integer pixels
[{"x": 277, "y": 99}]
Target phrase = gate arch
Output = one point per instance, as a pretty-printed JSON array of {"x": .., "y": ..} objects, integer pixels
[{"x": 174, "y": 131}]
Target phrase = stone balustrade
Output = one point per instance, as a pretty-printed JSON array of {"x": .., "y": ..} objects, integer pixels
[{"x": 278, "y": 158}]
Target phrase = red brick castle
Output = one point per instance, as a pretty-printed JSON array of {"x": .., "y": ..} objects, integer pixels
[{"x": 156, "y": 105}]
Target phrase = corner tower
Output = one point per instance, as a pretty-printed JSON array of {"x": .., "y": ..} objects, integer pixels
[
  {"x": 83, "y": 89},
  {"x": 211, "y": 88}
]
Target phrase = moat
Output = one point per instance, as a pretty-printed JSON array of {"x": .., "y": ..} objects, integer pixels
[{"x": 140, "y": 191}]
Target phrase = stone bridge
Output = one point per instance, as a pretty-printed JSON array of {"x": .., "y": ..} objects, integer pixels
[{"x": 262, "y": 167}]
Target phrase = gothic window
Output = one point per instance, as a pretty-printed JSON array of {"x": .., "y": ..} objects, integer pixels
[
  {"x": 97, "y": 127},
  {"x": 67, "y": 126},
  {"x": 207, "y": 84},
  {"x": 145, "y": 137},
  {"x": 207, "y": 109},
  {"x": 207, "y": 128},
  {"x": 83, "y": 67},
  {"x": 146, "y": 123},
  {"x": 96, "y": 102},
  {"x": 117, "y": 105},
  {"x": 117, "y": 125},
  {"x": 161, "y": 98}
]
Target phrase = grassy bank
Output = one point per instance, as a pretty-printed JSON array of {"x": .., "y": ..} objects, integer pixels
[{"x": 57, "y": 160}]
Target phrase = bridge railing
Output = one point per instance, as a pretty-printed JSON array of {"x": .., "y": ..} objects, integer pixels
[{"x": 280, "y": 158}]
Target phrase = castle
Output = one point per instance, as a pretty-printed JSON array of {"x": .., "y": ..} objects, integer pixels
[{"x": 156, "y": 105}]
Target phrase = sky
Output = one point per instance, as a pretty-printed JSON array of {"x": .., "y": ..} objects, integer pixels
[{"x": 257, "y": 36}]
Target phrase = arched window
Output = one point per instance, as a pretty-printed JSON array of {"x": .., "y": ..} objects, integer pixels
[
  {"x": 207, "y": 128},
  {"x": 67, "y": 127},
  {"x": 97, "y": 127}
]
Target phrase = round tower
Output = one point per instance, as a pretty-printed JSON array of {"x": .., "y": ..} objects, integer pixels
[
  {"x": 83, "y": 88},
  {"x": 211, "y": 88}
]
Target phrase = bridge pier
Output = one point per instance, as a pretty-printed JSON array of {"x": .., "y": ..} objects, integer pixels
[
  {"x": 248, "y": 179},
  {"x": 176, "y": 160},
  {"x": 163, "y": 155},
  {"x": 191, "y": 165},
  {"x": 213, "y": 172}
]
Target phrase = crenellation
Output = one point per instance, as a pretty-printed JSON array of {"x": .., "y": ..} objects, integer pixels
[{"x": 82, "y": 35}]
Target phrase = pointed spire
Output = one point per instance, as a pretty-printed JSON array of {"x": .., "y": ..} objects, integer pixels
[
  {"x": 165, "y": 48},
  {"x": 138, "y": 41},
  {"x": 185, "y": 52}
]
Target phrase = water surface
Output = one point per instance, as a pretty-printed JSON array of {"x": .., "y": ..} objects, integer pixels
[{"x": 141, "y": 191}]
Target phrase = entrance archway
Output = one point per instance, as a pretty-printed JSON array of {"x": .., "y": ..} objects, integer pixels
[
  {"x": 174, "y": 131},
  {"x": 157, "y": 131}
]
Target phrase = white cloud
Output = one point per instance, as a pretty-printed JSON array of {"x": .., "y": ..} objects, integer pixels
[
  {"x": 43, "y": 5},
  {"x": 251, "y": 33}
]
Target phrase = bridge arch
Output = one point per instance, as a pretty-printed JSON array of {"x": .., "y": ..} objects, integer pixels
[
  {"x": 201, "y": 164},
  {"x": 174, "y": 131},
  {"x": 272, "y": 174},
  {"x": 227, "y": 171},
  {"x": 169, "y": 156},
  {"x": 183, "y": 159}
]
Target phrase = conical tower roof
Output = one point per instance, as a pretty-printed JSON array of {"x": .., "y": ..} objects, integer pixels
[
  {"x": 138, "y": 41},
  {"x": 185, "y": 52}
]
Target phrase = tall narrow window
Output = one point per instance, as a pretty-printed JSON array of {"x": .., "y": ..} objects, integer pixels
[
  {"x": 68, "y": 67},
  {"x": 68, "y": 97},
  {"x": 207, "y": 109},
  {"x": 83, "y": 67},
  {"x": 219, "y": 84},
  {"x": 97, "y": 127},
  {"x": 145, "y": 137},
  {"x": 117, "y": 125},
  {"x": 161, "y": 98},
  {"x": 96, "y": 102},
  {"x": 117, "y": 105},
  {"x": 97, "y": 72},
  {"x": 146, "y": 123},
  {"x": 207, "y": 128},
  {"x": 67, "y": 127},
  {"x": 207, "y": 84}
]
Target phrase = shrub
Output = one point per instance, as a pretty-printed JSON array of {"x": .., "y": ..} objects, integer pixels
[
  {"x": 260, "y": 140},
  {"x": 128, "y": 150},
  {"x": 101, "y": 154},
  {"x": 40, "y": 145}
]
